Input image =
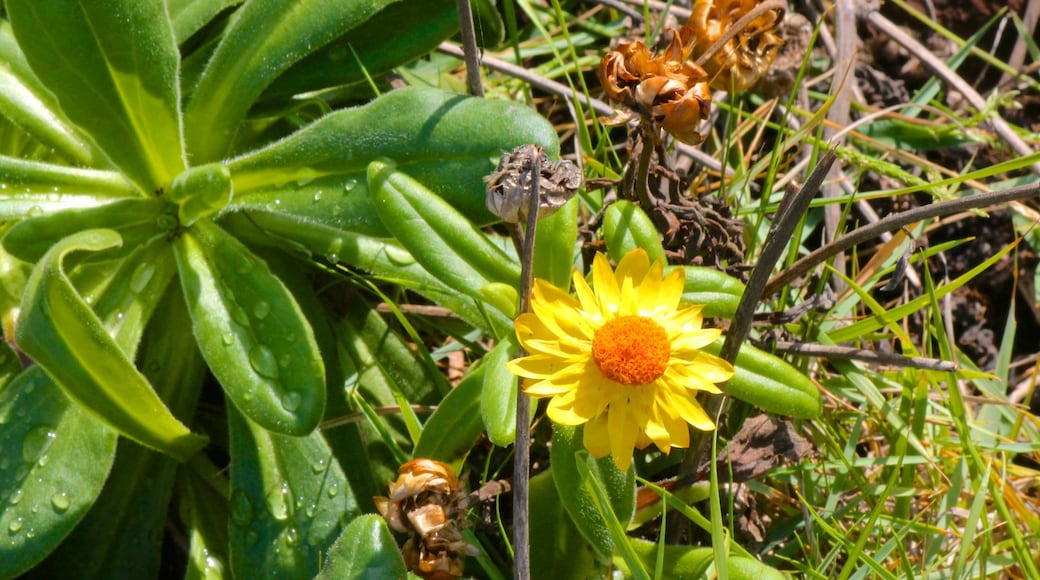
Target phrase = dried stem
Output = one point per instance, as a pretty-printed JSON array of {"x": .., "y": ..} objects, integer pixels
[{"x": 471, "y": 52}]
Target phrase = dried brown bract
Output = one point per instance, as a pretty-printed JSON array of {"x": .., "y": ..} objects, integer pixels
[
  {"x": 508, "y": 186},
  {"x": 666, "y": 89},
  {"x": 744, "y": 58},
  {"x": 427, "y": 503}
]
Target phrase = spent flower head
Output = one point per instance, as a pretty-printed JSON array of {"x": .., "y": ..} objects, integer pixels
[
  {"x": 745, "y": 57},
  {"x": 623, "y": 357}
]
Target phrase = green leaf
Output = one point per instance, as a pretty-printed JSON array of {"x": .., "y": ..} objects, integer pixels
[
  {"x": 288, "y": 498},
  {"x": 499, "y": 392},
  {"x": 61, "y": 333},
  {"x": 203, "y": 493},
  {"x": 134, "y": 218},
  {"x": 366, "y": 550},
  {"x": 251, "y": 331},
  {"x": 693, "y": 563},
  {"x": 447, "y": 244},
  {"x": 27, "y": 103},
  {"x": 56, "y": 459},
  {"x": 189, "y": 16},
  {"x": 588, "y": 468},
  {"x": 120, "y": 535},
  {"x": 770, "y": 383},
  {"x": 620, "y": 488},
  {"x": 455, "y": 426},
  {"x": 113, "y": 67},
  {"x": 561, "y": 552},
  {"x": 263, "y": 40},
  {"x": 35, "y": 188},
  {"x": 627, "y": 227},
  {"x": 554, "y": 245},
  {"x": 719, "y": 292},
  {"x": 445, "y": 141},
  {"x": 201, "y": 192},
  {"x": 400, "y": 32}
]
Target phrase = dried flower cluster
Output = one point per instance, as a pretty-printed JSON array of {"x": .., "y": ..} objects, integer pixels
[
  {"x": 743, "y": 59},
  {"x": 427, "y": 503},
  {"x": 509, "y": 185},
  {"x": 665, "y": 88}
]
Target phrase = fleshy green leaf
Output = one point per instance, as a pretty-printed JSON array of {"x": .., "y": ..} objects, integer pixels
[
  {"x": 263, "y": 40},
  {"x": 34, "y": 188},
  {"x": 620, "y": 488},
  {"x": 251, "y": 331},
  {"x": 627, "y": 227},
  {"x": 25, "y": 101},
  {"x": 693, "y": 562},
  {"x": 120, "y": 535},
  {"x": 135, "y": 218},
  {"x": 455, "y": 426},
  {"x": 56, "y": 459},
  {"x": 444, "y": 140},
  {"x": 203, "y": 493},
  {"x": 447, "y": 244},
  {"x": 288, "y": 498},
  {"x": 365, "y": 550},
  {"x": 188, "y": 16},
  {"x": 201, "y": 192},
  {"x": 499, "y": 392},
  {"x": 555, "y": 244},
  {"x": 558, "y": 550},
  {"x": 61, "y": 332},
  {"x": 113, "y": 67}
]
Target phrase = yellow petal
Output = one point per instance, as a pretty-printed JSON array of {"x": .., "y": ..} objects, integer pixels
[
  {"x": 623, "y": 433},
  {"x": 560, "y": 410},
  {"x": 586, "y": 297},
  {"x": 606, "y": 287},
  {"x": 596, "y": 436},
  {"x": 634, "y": 265},
  {"x": 688, "y": 408}
]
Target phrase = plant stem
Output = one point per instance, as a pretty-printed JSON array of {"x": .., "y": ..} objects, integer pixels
[
  {"x": 469, "y": 43},
  {"x": 522, "y": 445}
]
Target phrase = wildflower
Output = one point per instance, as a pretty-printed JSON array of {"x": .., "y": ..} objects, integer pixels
[
  {"x": 665, "y": 89},
  {"x": 623, "y": 357},
  {"x": 743, "y": 59}
]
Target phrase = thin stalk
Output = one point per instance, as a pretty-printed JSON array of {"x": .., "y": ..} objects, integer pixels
[
  {"x": 522, "y": 445},
  {"x": 469, "y": 43}
]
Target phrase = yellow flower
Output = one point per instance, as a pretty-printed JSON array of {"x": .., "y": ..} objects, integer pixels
[{"x": 623, "y": 358}]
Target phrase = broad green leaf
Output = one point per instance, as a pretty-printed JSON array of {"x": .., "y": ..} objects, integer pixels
[
  {"x": 120, "y": 535},
  {"x": 263, "y": 40},
  {"x": 251, "y": 331},
  {"x": 588, "y": 468},
  {"x": 499, "y": 392},
  {"x": 383, "y": 258},
  {"x": 61, "y": 333},
  {"x": 627, "y": 227},
  {"x": 366, "y": 550},
  {"x": 682, "y": 562},
  {"x": 32, "y": 188},
  {"x": 56, "y": 459},
  {"x": 558, "y": 549},
  {"x": 113, "y": 66},
  {"x": 134, "y": 218},
  {"x": 770, "y": 383},
  {"x": 188, "y": 16},
  {"x": 620, "y": 488},
  {"x": 25, "y": 101},
  {"x": 455, "y": 426},
  {"x": 200, "y": 192},
  {"x": 719, "y": 292},
  {"x": 288, "y": 497},
  {"x": 371, "y": 49},
  {"x": 10, "y": 364},
  {"x": 555, "y": 245},
  {"x": 444, "y": 140},
  {"x": 447, "y": 244},
  {"x": 203, "y": 493}
]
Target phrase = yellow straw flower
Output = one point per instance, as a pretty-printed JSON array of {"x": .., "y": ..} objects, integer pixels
[{"x": 623, "y": 357}]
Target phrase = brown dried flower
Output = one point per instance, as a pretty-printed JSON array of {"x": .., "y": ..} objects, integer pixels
[
  {"x": 427, "y": 503},
  {"x": 508, "y": 186},
  {"x": 665, "y": 88},
  {"x": 743, "y": 59}
]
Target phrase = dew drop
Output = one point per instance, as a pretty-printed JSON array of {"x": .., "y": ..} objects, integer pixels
[
  {"x": 16, "y": 496},
  {"x": 349, "y": 185},
  {"x": 305, "y": 176},
  {"x": 261, "y": 309},
  {"x": 291, "y": 337},
  {"x": 238, "y": 314},
  {"x": 241, "y": 508},
  {"x": 16, "y": 525},
  {"x": 279, "y": 503},
  {"x": 318, "y": 194},
  {"x": 312, "y": 510},
  {"x": 244, "y": 265},
  {"x": 333, "y": 490},
  {"x": 36, "y": 442},
  {"x": 291, "y": 536},
  {"x": 319, "y": 466},
  {"x": 291, "y": 401},
  {"x": 228, "y": 338},
  {"x": 43, "y": 460},
  {"x": 60, "y": 501},
  {"x": 141, "y": 277},
  {"x": 263, "y": 362},
  {"x": 285, "y": 360}
]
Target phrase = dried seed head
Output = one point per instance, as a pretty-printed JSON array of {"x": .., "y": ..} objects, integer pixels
[
  {"x": 508, "y": 186},
  {"x": 666, "y": 88},
  {"x": 427, "y": 503},
  {"x": 743, "y": 59}
]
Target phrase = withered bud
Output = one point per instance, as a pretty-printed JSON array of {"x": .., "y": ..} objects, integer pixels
[
  {"x": 509, "y": 185},
  {"x": 427, "y": 503},
  {"x": 743, "y": 59},
  {"x": 664, "y": 88}
]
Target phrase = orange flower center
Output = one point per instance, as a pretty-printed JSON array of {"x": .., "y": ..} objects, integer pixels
[{"x": 631, "y": 350}]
